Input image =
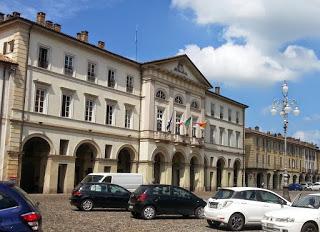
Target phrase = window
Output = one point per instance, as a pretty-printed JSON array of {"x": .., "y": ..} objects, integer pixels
[
  {"x": 212, "y": 134},
  {"x": 229, "y": 115},
  {"x": 40, "y": 100},
  {"x": 249, "y": 195},
  {"x": 89, "y": 113},
  {"x": 230, "y": 132},
  {"x": 160, "y": 94},
  {"x": 127, "y": 120},
  {"x": 107, "y": 151},
  {"x": 117, "y": 189},
  {"x": 178, "y": 100},
  {"x": 63, "y": 147},
  {"x": 178, "y": 120},
  {"x": 221, "y": 136},
  {"x": 194, "y": 104},
  {"x": 229, "y": 163},
  {"x": 43, "y": 57},
  {"x": 159, "y": 119},
  {"x": 221, "y": 112},
  {"x": 66, "y": 106},
  {"x": 68, "y": 65},
  {"x": 91, "y": 72},
  {"x": 270, "y": 197},
  {"x": 212, "y": 108},
  {"x": 129, "y": 84},
  {"x": 181, "y": 193},
  {"x": 160, "y": 190},
  {"x": 99, "y": 188},
  {"x": 238, "y": 139},
  {"x": 111, "y": 78},
  {"x": 108, "y": 179},
  {"x": 238, "y": 117},
  {"x": 8, "y": 47},
  {"x": 6, "y": 202},
  {"x": 194, "y": 127},
  {"x": 107, "y": 169},
  {"x": 269, "y": 158},
  {"x": 109, "y": 114}
]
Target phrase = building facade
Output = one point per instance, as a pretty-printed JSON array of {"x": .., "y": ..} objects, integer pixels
[
  {"x": 75, "y": 108},
  {"x": 265, "y": 160}
]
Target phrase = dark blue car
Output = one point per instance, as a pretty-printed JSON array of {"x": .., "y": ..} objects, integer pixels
[
  {"x": 18, "y": 213},
  {"x": 295, "y": 187}
]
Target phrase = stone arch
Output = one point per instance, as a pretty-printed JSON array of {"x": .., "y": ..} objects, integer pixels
[
  {"x": 221, "y": 162},
  {"x": 294, "y": 179},
  {"x": 178, "y": 162},
  {"x": 236, "y": 172},
  {"x": 27, "y": 138},
  {"x": 36, "y": 150},
  {"x": 163, "y": 151},
  {"x": 85, "y": 154},
  {"x": 88, "y": 141},
  {"x": 125, "y": 158},
  {"x": 195, "y": 164},
  {"x": 159, "y": 168}
]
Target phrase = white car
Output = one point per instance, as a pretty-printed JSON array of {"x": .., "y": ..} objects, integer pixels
[
  {"x": 314, "y": 186},
  {"x": 241, "y": 206},
  {"x": 303, "y": 216}
]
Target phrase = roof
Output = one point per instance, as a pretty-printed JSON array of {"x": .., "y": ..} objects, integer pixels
[
  {"x": 184, "y": 56},
  {"x": 6, "y": 59},
  {"x": 227, "y": 99}
]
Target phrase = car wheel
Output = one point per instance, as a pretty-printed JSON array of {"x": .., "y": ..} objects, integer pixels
[
  {"x": 213, "y": 224},
  {"x": 86, "y": 205},
  {"x": 309, "y": 227},
  {"x": 134, "y": 214},
  {"x": 199, "y": 212},
  {"x": 148, "y": 212},
  {"x": 236, "y": 222}
]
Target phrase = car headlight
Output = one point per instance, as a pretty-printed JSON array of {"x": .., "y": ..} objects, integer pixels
[
  {"x": 287, "y": 219},
  {"x": 224, "y": 204}
]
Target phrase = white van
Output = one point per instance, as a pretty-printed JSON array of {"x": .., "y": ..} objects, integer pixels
[{"x": 130, "y": 181}]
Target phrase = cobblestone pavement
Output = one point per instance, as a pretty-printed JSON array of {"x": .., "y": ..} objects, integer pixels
[{"x": 59, "y": 215}]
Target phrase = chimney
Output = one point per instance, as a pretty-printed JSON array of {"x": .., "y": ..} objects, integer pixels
[
  {"x": 79, "y": 36},
  {"x": 15, "y": 14},
  {"x": 9, "y": 16},
  {"x": 84, "y": 36},
  {"x": 49, "y": 24},
  {"x": 217, "y": 90},
  {"x": 1, "y": 16},
  {"x": 257, "y": 128},
  {"x": 101, "y": 44},
  {"x": 41, "y": 18},
  {"x": 57, "y": 27}
]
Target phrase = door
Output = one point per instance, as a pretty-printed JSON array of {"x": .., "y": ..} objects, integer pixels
[
  {"x": 100, "y": 195},
  {"x": 270, "y": 201},
  {"x": 118, "y": 197},
  {"x": 185, "y": 202},
  {"x": 162, "y": 199}
]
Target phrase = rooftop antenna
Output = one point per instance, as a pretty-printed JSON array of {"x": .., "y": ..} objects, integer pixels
[{"x": 136, "y": 42}]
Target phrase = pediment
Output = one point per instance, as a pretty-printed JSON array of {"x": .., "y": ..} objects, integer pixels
[{"x": 182, "y": 66}]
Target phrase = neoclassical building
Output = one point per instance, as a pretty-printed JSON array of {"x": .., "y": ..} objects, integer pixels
[
  {"x": 69, "y": 108},
  {"x": 265, "y": 160}
]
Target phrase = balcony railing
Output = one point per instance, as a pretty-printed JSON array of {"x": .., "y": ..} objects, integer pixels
[
  {"x": 198, "y": 142},
  {"x": 91, "y": 77},
  {"x": 68, "y": 71},
  {"x": 162, "y": 136},
  {"x": 43, "y": 63},
  {"x": 129, "y": 89}
]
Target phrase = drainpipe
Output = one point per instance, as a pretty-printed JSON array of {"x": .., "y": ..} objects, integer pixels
[
  {"x": 137, "y": 166},
  {"x": 23, "y": 109},
  {"x": 243, "y": 149},
  {"x": 2, "y": 98}
]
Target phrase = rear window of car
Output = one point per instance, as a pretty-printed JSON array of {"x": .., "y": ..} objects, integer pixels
[
  {"x": 92, "y": 178},
  {"x": 223, "y": 194},
  {"x": 25, "y": 196},
  {"x": 6, "y": 201},
  {"x": 140, "y": 190}
]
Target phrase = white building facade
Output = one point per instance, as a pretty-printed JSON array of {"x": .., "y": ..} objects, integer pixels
[{"x": 75, "y": 108}]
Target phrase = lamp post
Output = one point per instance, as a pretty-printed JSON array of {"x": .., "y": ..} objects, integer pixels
[{"x": 284, "y": 107}]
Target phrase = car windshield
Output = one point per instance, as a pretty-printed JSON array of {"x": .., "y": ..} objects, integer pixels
[
  {"x": 223, "y": 194},
  {"x": 92, "y": 178},
  {"x": 309, "y": 201}
]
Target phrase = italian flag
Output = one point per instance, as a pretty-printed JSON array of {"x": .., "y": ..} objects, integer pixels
[{"x": 187, "y": 122}]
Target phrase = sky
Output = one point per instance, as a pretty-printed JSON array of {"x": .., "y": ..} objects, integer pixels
[{"x": 248, "y": 48}]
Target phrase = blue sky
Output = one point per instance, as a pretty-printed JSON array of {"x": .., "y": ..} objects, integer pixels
[{"x": 246, "y": 47}]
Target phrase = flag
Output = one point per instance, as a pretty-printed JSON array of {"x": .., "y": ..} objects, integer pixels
[
  {"x": 202, "y": 124},
  {"x": 187, "y": 122},
  {"x": 181, "y": 120},
  {"x": 169, "y": 122}
]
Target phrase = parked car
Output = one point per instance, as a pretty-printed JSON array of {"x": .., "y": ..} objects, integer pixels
[
  {"x": 148, "y": 201},
  {"x": 18, "y": 212},
  {"x": 241, "y": 206},
  {"x": 99, "y": 195},
  {"x": 306, "y": 186},
  {"x": 304, "y": 215},
  {"x": 315, "y": 186},
  {"x": 295, "y": 187},
  {"x": 130, "y": 181}
]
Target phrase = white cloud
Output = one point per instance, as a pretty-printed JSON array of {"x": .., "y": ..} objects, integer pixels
[
  {"x": 311, "y": 118},
  {"x": 308, "y": 136},
  {"x": 266, "y": 26}
]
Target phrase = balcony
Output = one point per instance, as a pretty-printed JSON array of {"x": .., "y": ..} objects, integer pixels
[
  {"x": 68, "y": 70},
  {"x": 196, "y": 142},
  {"x": 161, "y": 136},
  {"x": 181, "y": 139},
  {"x": 129, "y": 89}
]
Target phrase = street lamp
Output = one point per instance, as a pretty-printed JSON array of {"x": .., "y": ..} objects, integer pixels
[{"x": 284, "y": 107}]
